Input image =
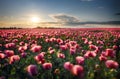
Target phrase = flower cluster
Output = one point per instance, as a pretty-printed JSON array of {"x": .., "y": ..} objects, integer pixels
[{"x": 60, "y": 53}]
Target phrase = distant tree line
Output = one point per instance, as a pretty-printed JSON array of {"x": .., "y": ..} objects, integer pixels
[
  {"x": 47, "y": 27},
  {"x": 10, "y": 28},
  {"x": 35, "y": 27}
]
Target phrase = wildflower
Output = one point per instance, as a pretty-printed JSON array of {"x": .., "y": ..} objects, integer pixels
[
  {"x": 14, "y": 58},
  {"x": 52, "y": 51},
  {"x": 10, "y": 45},
  {"x": 2, "y": 55},
  {"x": 68, "y": 66},
  {"x": 90, "y": 54},
  {"x": 47, "y": 66},
  {"x": 53, "y": 39},
  {"x": 80, "y": 60},
  {"x": 92, "y": 47},
  {"x": 60, "y": 55},
  {"x": 115, "y": 47},
  {"x": 77, "y": 70},
  {"x": 102, "y": 58},
  {"x": 63, "y": 47},
  {"x": 50, "y": 48},
  {"x": 24, "y": 54},
  {"x": 111, "y": 64},
  {"x": 21, "y": 43},
  {"x": 21, "y": 49},
  {"x": 100, "y": 42},
  {"x": 72, "y": 50},
  {"x": 110, "y": 52},
  {"x": 39, "y": 57},
  {"x": 32, "y": 70},
  {"x": 47, "y": 40},
  {"x": 36, "y": 48},
  {"x": 9, "y": 53}
]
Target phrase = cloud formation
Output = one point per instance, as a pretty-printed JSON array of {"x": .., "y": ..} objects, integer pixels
[
  {"x": 6, "y": 17},
  {"x": 64, "y": 18},
  {"x": 69, "y": 20},
  {"x": 117, "y": 13}
]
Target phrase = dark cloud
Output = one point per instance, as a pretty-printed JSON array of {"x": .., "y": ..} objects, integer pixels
[
  {"x": 99, "y": 23},
  {"x": 117, "y": 13},
  {"x": 81, "y": 24},
  {"x": 64, "y": 18},
  {"x": 69, "y": 20}
]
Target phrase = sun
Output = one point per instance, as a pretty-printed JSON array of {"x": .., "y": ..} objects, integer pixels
[{"x": 35, "y": 19}]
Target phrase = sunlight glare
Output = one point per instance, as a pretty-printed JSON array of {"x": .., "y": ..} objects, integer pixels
[{"x": 35, "y": 19}]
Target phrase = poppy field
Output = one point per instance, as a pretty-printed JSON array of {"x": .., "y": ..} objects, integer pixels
[{"x": 92, "y": 53}]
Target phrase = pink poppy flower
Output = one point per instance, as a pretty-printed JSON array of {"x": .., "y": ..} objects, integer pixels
[
  {"x": 93, "y": 47},
  {"x": 86, "y": 41},
  {"x": 60, "y": 41},
  {"x": 68, "y": 66},
  {"x": 90, "y": 42},
  {"x": 63, "y": 47},
  {"x": 115, "y": 47},
  {"x": 2, "y": 55},
  {"x": 60, "y": 55},
  {"x": 76, "y": 46},
  {"x": 72, "y": 50},
  {"x": 10, "y": 45},
  {"x": 39, "y": 57},
  {"x": 15, "y": 40},
  {"x": 14, "y": 58},
  {"x": 72, "y": 43},
  {"x": 47, "y": 40},
  {"x": 47, "y": 66},
  {"x": 21, "y": 43},
  {"x": 110, "y": 52},
  {"x": 24, "y": 54},
  {"x": 42, "y": 61},
  {"x": 52, "y": 39},
  {"x": 32, "y": 70},
  {"x": 50, "y": 48},
  {"x": 80, "y": 60},
  {"x": 52, "y": 51},
  {"x": 21, "y": 49},
  {"x": 103, "y": 53},
  {"x": 78, "y": 70},
  {"x": 9, "y": 53},
  {"x": 111, "y": 64},
  {"x": 90, "y": 54},
  {"x": 100, "y": 42},
  {"x": 102, "y": 58},
  {"x": 36, "y": 48}
]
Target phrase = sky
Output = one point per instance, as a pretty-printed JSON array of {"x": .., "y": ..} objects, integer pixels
[{"x": 59, "y": 13}]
